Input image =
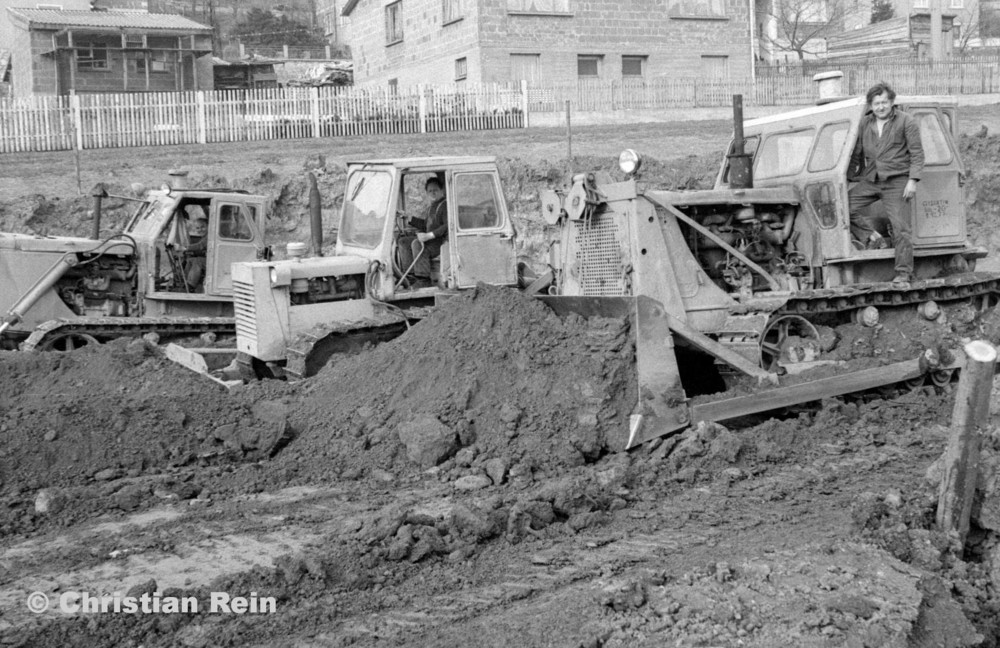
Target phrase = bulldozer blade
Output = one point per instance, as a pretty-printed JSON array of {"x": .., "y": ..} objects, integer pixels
[
  {"x": 814, "y": 390},
  {"x": 662, "y": 404}
]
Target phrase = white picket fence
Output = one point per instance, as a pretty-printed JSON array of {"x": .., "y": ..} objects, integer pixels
[{"x": 153, "y": 119}]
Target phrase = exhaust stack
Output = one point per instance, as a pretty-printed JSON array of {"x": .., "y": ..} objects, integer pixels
[
  {"x": 315, "y": 216},
  {"x": 740, "y": 163},
  {"x": 99, "y": 194}
]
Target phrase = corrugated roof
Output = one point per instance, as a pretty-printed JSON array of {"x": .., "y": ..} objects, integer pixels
[{"x": 42, "y": 18}]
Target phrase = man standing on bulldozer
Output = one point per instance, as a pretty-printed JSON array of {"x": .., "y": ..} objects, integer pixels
[{"x": 888, "y": 159}]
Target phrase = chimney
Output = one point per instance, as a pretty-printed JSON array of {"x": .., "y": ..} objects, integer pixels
[{"x": 830, "y": 86}]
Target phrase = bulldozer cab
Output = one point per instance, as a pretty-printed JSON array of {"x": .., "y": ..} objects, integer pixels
[
  {"x": 809, "y": 150},
  {"x": 178, "y": 266},
  {"x": 386, "y": 205}
]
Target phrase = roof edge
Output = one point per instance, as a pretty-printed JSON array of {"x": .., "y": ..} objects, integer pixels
[{"x": 349, "y": 7}]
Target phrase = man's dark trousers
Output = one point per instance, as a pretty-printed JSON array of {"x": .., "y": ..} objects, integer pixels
[{"x": 890, "y": 191}]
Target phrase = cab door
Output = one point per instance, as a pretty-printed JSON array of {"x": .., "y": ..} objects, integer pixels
[
  {"x": 236, "y": 234},
  {"x": 938, "y": 209},
  {"x": 481, "y": 231}
]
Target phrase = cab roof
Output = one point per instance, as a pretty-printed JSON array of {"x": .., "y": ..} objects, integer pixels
[
  {"x": 428, "y": 163},
  {"x": 905, "y": 100}
]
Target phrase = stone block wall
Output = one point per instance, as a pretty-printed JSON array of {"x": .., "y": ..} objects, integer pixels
[
  {"x": 677, "y": 38},
  {"x": 429, "y": 48},
  {"x": 674, "y": 39}
]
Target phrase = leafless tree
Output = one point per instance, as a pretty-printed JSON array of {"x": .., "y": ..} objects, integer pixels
[
  {"x": 980, "y": 21},
  {"x": 801, "y": 26}
]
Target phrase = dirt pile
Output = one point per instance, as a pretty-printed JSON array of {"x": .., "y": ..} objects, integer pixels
[
  {"x": 492, "y": 385},
  {"x": 981, "y": 156},
  {"x": 112, "y": 415}
]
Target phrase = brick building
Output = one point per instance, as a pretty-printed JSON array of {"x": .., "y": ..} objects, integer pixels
[
  {"x": 117, "y": 47},
  {"x": 407, "y": 42}
]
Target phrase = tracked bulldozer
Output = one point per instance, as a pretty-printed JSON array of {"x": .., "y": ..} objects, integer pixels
[
  {"x": 739, "y": 274},
  {"x": 59, "y": 293}
]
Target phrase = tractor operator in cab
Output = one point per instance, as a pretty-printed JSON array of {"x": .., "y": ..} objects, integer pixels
[
  {"x": 888, "y": 159},
  {"x": 197, "y": 249},
  {"x": 432, "y": 232}
]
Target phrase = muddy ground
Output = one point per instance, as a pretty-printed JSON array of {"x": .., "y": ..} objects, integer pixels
[{"x": 454, "y": 487}]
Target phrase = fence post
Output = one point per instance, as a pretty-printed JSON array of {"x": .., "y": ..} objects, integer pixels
[
  {"x": 961, "y": 458},
  {"x": 284, "y": 51},
  {"x": 422, "y": 107},
  {"x": 77, "y": 114},
  {"x": 524, "y": 101},
  {"x": 314, "y": 100},
  {"x": 326, "y": 50},
  {"x": 199, "y": 102}
]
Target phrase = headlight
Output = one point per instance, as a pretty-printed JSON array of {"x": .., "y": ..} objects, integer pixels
[
  {"x": 629, "y": 162},
  {"x": 274, "y": 276}
]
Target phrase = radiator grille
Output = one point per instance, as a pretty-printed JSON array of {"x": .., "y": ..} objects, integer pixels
[
  {"x": 601, "y": 258},
  {"x": 245, "y": 310}
]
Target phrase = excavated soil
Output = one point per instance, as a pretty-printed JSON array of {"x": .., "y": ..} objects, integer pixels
[{"x": 455, "y": 486}]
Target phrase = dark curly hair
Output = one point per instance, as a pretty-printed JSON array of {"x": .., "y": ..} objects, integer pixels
[{"x": 879, "y": 88}]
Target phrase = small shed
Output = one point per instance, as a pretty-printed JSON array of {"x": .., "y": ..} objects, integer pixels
[
  {"x": 244, "y": 74},
  {"x": 55, "y": 51},
  {"x": 903, "y": 36}
]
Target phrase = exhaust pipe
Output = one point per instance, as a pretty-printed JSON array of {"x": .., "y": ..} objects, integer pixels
[
  {"x": 315, "y": 216},
  {"x": 98, "y": 193},
  {"x": 740, "y": 163}
]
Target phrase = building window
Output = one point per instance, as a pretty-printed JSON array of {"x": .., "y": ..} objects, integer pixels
[
  {"x": 633, "y": 66},
  {"x": 715, "y": 67},
  {"x": 394, "y": 23},
  {"x": 957, "y": 4},
  {"x": 158, "y": 62},
  {"x": 92, "y": 58},
  {"x": 696, "y": 8},
  {"x": 921, "y": 4},
  {"x": 452, "y": 11},
  {"x": 525, "y": 67},
  {"x": 989, "y": 20},
  {"x": 461, "y": 68},
  {"x": 588, "y": 65},
  {"x": 539, "y": 7}
]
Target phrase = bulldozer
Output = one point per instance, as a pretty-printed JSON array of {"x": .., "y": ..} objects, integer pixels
[
  {"x": 738, "y": 274},
  {"x": 60, "y": 293}
]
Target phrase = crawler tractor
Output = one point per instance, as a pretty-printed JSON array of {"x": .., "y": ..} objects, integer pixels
[
  {"x": 739, "y": 273},
  {"x": 62, "y": 292}
]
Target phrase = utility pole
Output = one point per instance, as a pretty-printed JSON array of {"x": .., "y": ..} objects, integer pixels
[{"x": 936, "y": 45}]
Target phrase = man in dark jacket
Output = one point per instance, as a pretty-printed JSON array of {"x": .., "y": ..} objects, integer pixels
[
  {"x": 889, "y": 159},
  {"x": 194, "y": 255},
  {"x": 431, "y": 235}
]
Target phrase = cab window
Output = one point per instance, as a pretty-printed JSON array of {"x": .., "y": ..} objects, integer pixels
[
  {"x": 783, "y": 154},
  {"x": 233, "y": 224},
  {"x": 829, "y": 146},
  {"x": 933, "y": 139},
  {"x": 477, "y": 201},
  {"x": 366, "y": 203}
]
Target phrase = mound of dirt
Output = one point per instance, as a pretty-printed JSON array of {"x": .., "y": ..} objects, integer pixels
[
  {"x": 113, "y": 410},
  {"x": 492, "y": 384}
]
